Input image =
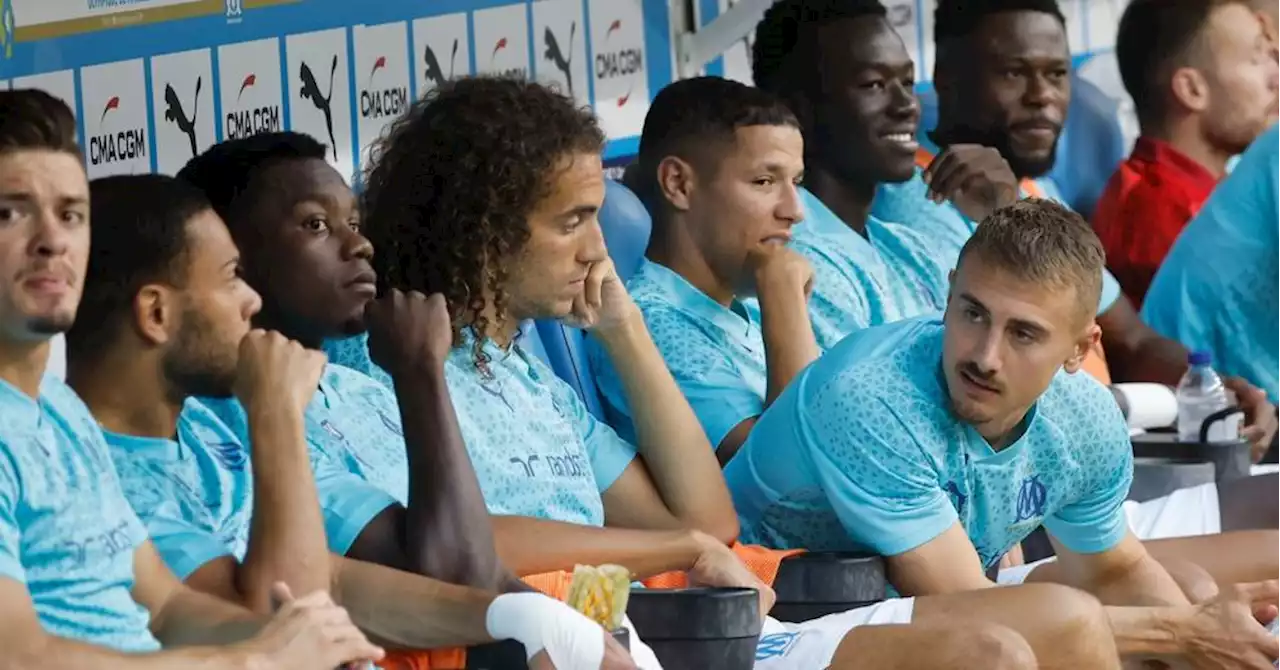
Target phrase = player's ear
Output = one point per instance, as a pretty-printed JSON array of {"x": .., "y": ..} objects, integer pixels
[{"x": 1084, "y": 344}]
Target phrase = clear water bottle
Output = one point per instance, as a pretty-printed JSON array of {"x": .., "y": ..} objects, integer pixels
[{"x": 1200, "y": 394}]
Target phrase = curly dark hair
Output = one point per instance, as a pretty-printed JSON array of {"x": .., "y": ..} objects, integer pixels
[{"x": 450, "y": 186}]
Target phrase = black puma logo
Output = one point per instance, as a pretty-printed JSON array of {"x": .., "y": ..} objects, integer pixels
[
  {"x": 311, "y": 91},
  {"x": 434, "y": 73},
  {"x": 557, "y": 56},
  {"x": 178, "y": 117}
]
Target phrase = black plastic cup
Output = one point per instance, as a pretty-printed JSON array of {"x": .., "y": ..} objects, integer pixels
[
  {"x": 1158, "y": 477},
  {"x": 813, "y": 585},
  {"x": 1231, "y": 460},
  {"x": 698, "y": 629}
]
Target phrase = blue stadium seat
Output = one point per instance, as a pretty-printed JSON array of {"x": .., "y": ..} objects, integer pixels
[
  {"x": 626, "y": 226},
  {"x": 1092, "y": 145}
]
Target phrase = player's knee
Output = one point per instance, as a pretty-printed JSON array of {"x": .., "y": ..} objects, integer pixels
[
  {"x": 1073, "y": 609},
  {"x": 988, "y": 646},
  {"x": 1078, "y": 622}
]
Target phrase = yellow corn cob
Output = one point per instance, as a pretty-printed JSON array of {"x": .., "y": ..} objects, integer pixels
[{"x": 601, "y": 593}]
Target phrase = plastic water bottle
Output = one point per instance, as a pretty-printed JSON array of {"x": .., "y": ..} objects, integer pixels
[
  {"x": 1201, "y": 393},
  {"x": 1274, "y": 629}
]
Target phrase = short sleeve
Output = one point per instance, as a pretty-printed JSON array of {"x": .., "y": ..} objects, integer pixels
[
  {"x": 875, "y": 475},
  {"x": 718, "y": 392},
  {"x": 349, "y": 502},
  {"x": 10, "y": 531},
  {"x": 185, "y": 546},
  {"x": 1095, "y": 521},
  {"x": 720, "y": 399},
  {"x": 1110, "y": 292},
  {"x": 610, "y": 454}
]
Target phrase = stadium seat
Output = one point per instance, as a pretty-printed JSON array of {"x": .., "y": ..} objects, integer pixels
[
  {"x": 626, "y": 226},
  {"x": 1093, "y": 144}
]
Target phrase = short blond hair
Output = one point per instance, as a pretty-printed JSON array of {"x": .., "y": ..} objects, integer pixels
[{"x": 1042, "y": 242}]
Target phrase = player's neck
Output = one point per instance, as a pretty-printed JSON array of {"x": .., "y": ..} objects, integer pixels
[
  {"x": 847, "y": 199},
  {"x": 22, "y": 364},
  {"x": 671, "y": 247},
  {"x": 267, "y": 319},
  {"x": 501, "y": 329},
  {"x": 126, "y": 395},
  {"x": 1186, "y": 138},
  {"x": 1003, "y": 432}
]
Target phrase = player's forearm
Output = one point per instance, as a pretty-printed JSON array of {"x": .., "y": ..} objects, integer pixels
[
  {"x": 286, "y": 534},
  {"x": 675, "y": 448},
  {"x": 446, "y": 529},
  {"x": 789, "y": 343},
  {"x": 531, "y": 546},
  {"x": 191, "y": 618},
  {"x": 1144, "y": 583},
  {"x": 409, "y": 611},
  {"x": 1143, "y": 632},
  {"x": 1135, "y": 353},
  {"x": 1238, "y": 557},
  {"x": 1194, "y": 581},
  {"x": 53, "y": 653}
]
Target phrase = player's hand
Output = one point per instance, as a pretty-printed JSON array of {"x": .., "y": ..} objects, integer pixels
[
  {"x": 308, "y": 633},
  {"x": 273, "y": 368},
  {"x": 718, "y": 566},
  {"x": 975, "y": 178},
  {"x": 776, "y": 267},
  {"x": 1224, "y": 633},
  {"x": 408, "y": 331},
  {"x": 604, "y": 303},
  {"x": 1259, "y": 415}
]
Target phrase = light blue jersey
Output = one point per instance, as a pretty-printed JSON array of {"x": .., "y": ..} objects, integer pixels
[
  {"x": 919, "y": 283},
  {"x": 353, "y": 353},
  {"x": 357, "y": 450},
  {"x": 715, "y": 353},
  {"x": 195, "y": 493},
  {"x": 860, "y": 282},
  {"x": 67, "y": 532},
  {"x": 536, "y": 449},
  {"x": 941, "y": 224},
  {"x": 862, "y": 452},
  {"x": 1217, "y": 289},
  {"x": 944, "y": 230}
]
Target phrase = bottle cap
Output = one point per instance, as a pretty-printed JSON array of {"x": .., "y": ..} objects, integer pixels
[{"x": 1200, "y": 358}]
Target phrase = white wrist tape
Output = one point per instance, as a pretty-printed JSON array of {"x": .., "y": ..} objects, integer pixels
[{"x": 573, "y": 641}]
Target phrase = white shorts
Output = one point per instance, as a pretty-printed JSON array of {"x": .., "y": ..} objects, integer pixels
[
  {"x": 810, "y": 645},
  {"x": 1184, "y": 513}
]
